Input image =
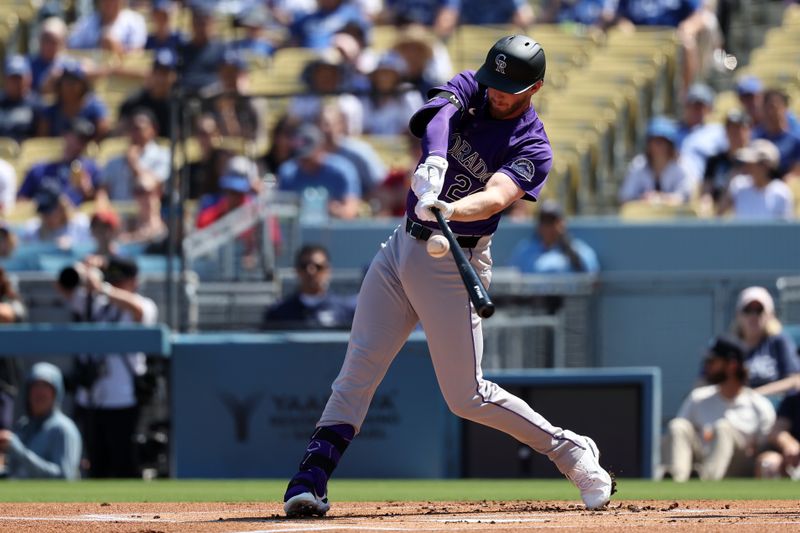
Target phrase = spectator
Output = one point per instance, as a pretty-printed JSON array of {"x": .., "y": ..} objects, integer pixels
[
  {"x": 105, "y": 227},
  {"x": 392, "y": 100},
  {"x": 784, "y": 458},
  {"x": 775, "y": 128},
  {"x": 720, "y": 167},
  {"x": 8, "y": 188},
  {"x": 17, "y": 104},
  {"x": 236, "y": 187},
  {"x": 316, "y": 29},
  {"x": 254, "y": 44},
  {"x": 11, "y": 307},
  {"x": 112, "y": 27},
  {"x": 597, "y": 13},
  {"x": 719, "y": 426},
  {"x": 144, "y": 159},
  {"x": 282, "y": 142},
  {"x": 148, "y": 225},
  {"x": 73, "y": 98},
  {"x": 439, "y": 15},
  {"x": 516, "y": 12},
  {"x": 164, "y": 34},
  {"x": 156, "y": 95},
  {"x": 313, "y": 167},
  {"x": 8, "y": 242},
  {"x": 74, "y": 174},
  {"x": 203, "y": 53},
  {"x": 696, "y": 21},
  {"x": 750, "y": 91},
  {"x": 770, "y": 355},
  {"x": 236, "y": 114},
  {"x": 311, "y": 306},
  {"x": 45, "y": 443},
  {"x": 107, "y": 409},
  {"x": 754, "y": 194},
  {"x": 427, "y": 59},
  {"x": 368, "y": 164},
  {"x": 52, "y": 42},
  {"x": 552, "y": 250},
  {"x": 57, "y": 222},
  {"x": 205, "y": 173},
  {"x": 657, "y": 176},
  {"x": 326, "y": 79},
  {"x": 699, "y": 140}
]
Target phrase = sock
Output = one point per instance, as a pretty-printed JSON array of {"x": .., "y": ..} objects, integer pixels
[{"x": 324, "y": 450}]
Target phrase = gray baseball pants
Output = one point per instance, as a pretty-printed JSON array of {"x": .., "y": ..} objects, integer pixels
[{"x": 405, "y": 285}]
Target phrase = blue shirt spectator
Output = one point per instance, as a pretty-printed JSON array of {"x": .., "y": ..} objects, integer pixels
[
  {"x": 254, "y": 44},
  {"x": 657, "y": 12},
  {"x": 698, "y": 140},
  {"x": 551, "y": 250},
  {"x": 203, "y": 54},
  {"x": 111, "y": 26},
  {"x": 750, "y": 91},
  {"x": 775, "y": 128},
  {"x": 588, "y": 12},
  {"x": 73, "y": 91},
  {"x": 74, "y": 175},
  {"x": 419, "y": 11},
  {"x": 316, "y": 29},
  {"x": 17, "y": 105},
  {"x": 45, "y": 443},
  {"x": 496, "y": 12},
  {"x": 164, "y": 35},
  {"x": 52, "y": 41},
  {"x": 313, "y": 167}
]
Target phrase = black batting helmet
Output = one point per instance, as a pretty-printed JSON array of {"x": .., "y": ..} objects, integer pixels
[{"x": 513, "y": 65}]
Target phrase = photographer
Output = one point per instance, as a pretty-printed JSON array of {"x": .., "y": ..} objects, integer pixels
[{"x": 106, "y": 405}]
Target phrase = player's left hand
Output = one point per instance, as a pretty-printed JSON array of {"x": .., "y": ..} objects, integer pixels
[{"x": 423, "y": 208}]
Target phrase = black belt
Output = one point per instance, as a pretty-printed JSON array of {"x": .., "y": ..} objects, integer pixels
[{"x": 422, "y": 233}]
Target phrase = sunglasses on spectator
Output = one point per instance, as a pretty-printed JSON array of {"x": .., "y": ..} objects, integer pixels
[
  {"x": 316, "y": 266},
  {"x": 753, "y": 310}
]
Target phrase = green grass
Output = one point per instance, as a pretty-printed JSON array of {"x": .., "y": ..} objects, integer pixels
[{"x": 382, "y": 490}]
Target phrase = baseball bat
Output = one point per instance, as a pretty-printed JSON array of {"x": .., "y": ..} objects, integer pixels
[{"x": 477, "y": 292}]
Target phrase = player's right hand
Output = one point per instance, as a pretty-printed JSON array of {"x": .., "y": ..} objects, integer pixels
[{"x": 429, "y": 176}]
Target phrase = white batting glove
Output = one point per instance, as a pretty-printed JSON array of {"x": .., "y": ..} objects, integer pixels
[
  {"x": 423, "y": 208},
  {"x": 429, "y": 176}
]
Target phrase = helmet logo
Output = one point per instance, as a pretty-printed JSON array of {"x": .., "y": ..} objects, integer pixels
[{"x": 500, "y": 63}]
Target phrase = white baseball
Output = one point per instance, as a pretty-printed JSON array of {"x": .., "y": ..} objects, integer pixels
[{"x": 437, "y": 246}]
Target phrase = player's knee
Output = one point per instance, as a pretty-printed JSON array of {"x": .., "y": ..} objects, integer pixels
[
  {"x": 680, "y": 427},
  {"x": 463, "y": 406}
]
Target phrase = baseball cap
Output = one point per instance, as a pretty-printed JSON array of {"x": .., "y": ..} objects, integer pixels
[
  {"x": 307, "y": 139},
  {"x": 47, "y": 197},
  {"x": 254, "y": 17},
  {"x": 17, "y": 66},
  {"x": 120, "y": 269},
  {"x": 163, "y": 5},
  {"x": 737, "y": 116},
  {"x": 726, "y": 347},
  {"x": 550, "y": 209},
  {"x": 700, "y": 92},
  {"x": 760, "y": 151},
  {"x": 235, "y": 183},
  {"x": 242, "y": 166},
  {"x": 756, "y": 294},
  {"x": 749, "y": 85},
  {"x": 392, "y": 61},
  {"x": 663, "y": 127},
  {"x": 74, "y": 69},
  {"x": 165, "y": 59},
  {"x": 107, "y": 217},
  {"x": 201, "y": 9},
  {"x": 81, "y": 127}
]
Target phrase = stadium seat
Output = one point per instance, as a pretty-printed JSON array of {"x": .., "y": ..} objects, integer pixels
[
  {"x": 642, "y": 210},
  {"x": 37, "y": 150},
  {"x": 9, "y": 149}
]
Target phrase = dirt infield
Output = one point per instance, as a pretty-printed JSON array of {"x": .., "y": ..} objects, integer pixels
[{"x": 403, "y": 516}]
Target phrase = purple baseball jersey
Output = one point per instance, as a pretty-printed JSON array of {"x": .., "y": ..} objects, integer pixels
[{"x": 481, "y": 146}]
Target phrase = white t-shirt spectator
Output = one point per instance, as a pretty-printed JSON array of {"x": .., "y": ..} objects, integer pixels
[
  {"x": 391, "y": 117},
  {"x": 750, "y": 413},
  {"x": 75, "y": 233},
  {"x": 129, "y": 29},
  {"x": 118, "y": 179},
  {"x": 640, "y": 179},
  {"x": 8, "y": 186},
  {"x": 113, "y": 388},
  {"x": 775, "y": 201}
]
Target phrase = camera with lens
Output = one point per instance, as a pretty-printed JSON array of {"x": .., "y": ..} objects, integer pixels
[{"x": 74, "y": 276}]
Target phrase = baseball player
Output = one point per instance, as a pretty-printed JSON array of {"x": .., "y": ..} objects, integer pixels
[{"x": 484, "y": 147}]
